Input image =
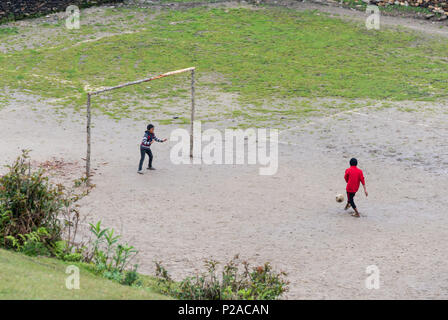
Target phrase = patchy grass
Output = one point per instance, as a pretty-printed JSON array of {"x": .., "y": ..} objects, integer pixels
[
  {"x": 263, "y": 55},
  {"x": 24, "y": 277},
  {"x": 4, "y": 31}
]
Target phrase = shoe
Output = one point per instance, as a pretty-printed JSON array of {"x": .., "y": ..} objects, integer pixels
[
  {"x": 151, "y": 168},
  {"x": 140, "y": 172}
]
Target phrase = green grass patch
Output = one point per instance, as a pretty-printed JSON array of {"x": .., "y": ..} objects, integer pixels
[
  {"x": 24, "y": 277},
  {"x": 4, "y": 31},
  {"x": 266, "y": 54}
]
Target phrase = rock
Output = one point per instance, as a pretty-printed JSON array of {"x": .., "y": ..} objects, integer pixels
[
  {"x": 436, "y": 6},
  {"x": 21, "y": 9}
]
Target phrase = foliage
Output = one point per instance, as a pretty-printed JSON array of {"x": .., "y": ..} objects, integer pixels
[
  {"x": 131, "y": 277},
  {"x": 263, "y": 54},
  {"x": 40, "y": 219},
  {"x": 29, "y": 206},
  {"x": 110, "y": 257},
  {"x": 64, "y": 252},
  {"x": 37, "y": 217},
  {"x": 236, "y": 281},
  {"x": 31, "y": 243}
]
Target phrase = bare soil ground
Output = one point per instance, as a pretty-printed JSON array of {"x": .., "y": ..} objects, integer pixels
[
  {"x": 411, "y": 21},
  {"x": 184, "y": 214}
]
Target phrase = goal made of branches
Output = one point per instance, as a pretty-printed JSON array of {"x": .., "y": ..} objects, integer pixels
[{"x": 89, "y": 111}]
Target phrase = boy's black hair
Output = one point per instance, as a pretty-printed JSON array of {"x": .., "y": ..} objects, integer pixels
[
  {"x": 149, "y": 127},
  {"x": 353, "y": 162}
]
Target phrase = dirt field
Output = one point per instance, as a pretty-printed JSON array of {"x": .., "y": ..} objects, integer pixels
[{"x": 184, "y": 214}]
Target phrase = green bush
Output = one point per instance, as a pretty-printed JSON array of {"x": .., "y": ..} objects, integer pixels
[
  {"x": 237, "y": 281},
  {"x": 31, "y": 243},
  {"x": 132, "y": 278},
  {"x": 110, "y": 257},
  {"x": 62, "y": 251},
  {"x": 28, "y": 203},
  {"x": 37, "y": 217}
]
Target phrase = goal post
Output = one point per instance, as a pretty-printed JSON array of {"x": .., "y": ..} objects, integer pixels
[{"x": 166, "y": 74}]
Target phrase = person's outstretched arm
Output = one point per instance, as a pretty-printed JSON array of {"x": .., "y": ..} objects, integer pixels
[
  {"x": 159, "y": 140},
  {"x": 363, "y": 181}
]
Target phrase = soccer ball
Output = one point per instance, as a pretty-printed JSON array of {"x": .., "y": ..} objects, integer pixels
[{"x": 339, "y": 198}]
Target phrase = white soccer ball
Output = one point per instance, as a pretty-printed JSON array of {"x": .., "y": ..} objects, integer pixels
[{"x": 339, "y": 198}]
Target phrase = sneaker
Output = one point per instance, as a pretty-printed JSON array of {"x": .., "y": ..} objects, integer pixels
[
  {"x": 151, "y": 168},
  {"x": 140, "y": 172}
]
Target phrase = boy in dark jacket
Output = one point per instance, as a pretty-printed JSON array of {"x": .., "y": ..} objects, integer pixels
[
  {"x": 354, "y": 176},
  {"x": 145, "y": 147}
]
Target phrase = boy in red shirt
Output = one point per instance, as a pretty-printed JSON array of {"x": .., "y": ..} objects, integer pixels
[{"x": 353, "y": 176}]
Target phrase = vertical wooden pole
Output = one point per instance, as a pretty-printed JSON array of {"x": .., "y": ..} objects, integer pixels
[
  {"x": 88, "y": 140},
  {"x": 192, "y": 114}
]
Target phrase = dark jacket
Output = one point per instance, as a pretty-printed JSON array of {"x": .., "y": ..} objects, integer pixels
[{"x": 148, "y": 138}]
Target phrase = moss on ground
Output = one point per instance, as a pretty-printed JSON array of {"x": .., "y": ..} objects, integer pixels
[{"x": 264, "y": 56}]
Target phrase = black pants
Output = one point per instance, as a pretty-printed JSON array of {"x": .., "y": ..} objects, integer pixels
[
  {"x": 144, "y": 151},
  {"x": 350, "y": 196}
]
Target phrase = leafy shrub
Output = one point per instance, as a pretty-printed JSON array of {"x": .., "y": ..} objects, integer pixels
[
  {"x": 110, "y": 257},
  {"x": 28, "y": 202},
  {"x": 36, "y": 215},
  {"x": 38, "y": 218},
  {"x": 237, "y": 281},
  {"x": 35, "y": 248},
  {"x": 131, "y": 278},
  {"x": 31, "y": 243},
  {"x": 62, "y": 251}
]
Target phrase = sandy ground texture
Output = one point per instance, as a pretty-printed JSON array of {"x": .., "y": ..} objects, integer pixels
[{"x": 183, "y": 214}]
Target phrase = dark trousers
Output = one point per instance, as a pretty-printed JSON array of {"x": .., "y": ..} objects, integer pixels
[
  {"x": 144, "y": 151},
  {"x": 350, "y": 196}
]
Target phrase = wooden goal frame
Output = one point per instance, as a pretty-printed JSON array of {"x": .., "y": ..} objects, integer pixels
[{"x": 93, "y": 93}]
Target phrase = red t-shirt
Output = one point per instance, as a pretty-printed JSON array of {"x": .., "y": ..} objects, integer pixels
[{"x": 353, "y": 176}]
